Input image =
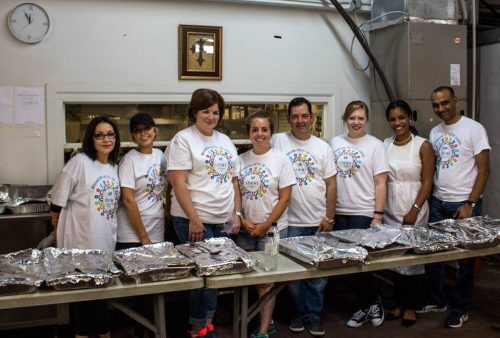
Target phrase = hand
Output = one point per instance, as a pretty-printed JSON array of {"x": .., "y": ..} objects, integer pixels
[
  {"x": 411, "y": 217},
  {"x": 465, "y": 211},
  {"x": 196, "y": 229},
  {"x": 28, "y": 17},
  {"x": 376, "y": 221},
  {"x": 145, "y": 240},
  {"x": 235, "y": 229},
  {"x": 248, "y": 225},
  {"x": 324, "y": 226},
  {"x": 260, "y": 230}
]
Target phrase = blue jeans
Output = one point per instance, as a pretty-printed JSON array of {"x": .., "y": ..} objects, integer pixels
[
  {"x": 464, "y": 284},
  {"x": 202, "y": 301},
  {"x": 249, "y": 243},
  {"x": 307, "y": 295},
  {"x": 363, "y": 283}
]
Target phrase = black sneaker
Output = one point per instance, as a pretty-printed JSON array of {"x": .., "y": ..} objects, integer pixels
[
  {"x": 297, "y": 324},
  {"x": 315, "y": 326},
  {"x": 455, "y": 319},
  {"x": 376, "y": 314},
  {"x": 358, "y": 319}
]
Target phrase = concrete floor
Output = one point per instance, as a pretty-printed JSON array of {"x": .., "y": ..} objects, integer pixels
[{"x": 339, "y": 306}]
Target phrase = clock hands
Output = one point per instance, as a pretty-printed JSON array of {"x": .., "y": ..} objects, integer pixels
[{"x": 28, "y": 16}]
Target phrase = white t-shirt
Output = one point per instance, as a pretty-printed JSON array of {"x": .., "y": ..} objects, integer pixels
[
  {"x": 89, "y": 192},
  {"x": 357, "y": 161},
  {"x": 312, "y": 161},
  {"x": 455, "y": 147},
  {"x": 260, "y": 178},
  {"x": 146, "y": 174},
  {"x": 212, "y": 162}
]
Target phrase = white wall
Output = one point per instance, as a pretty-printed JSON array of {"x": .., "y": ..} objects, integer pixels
[
  {"x": 489, "y": 103},
  {"x": 107, "y": 46}
]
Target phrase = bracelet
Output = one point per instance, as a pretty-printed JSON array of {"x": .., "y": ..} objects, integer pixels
[
  {"x": 417, "y": 207},
  {"x": 329, "y": 220},
  {"x": 378, "y": 212}
]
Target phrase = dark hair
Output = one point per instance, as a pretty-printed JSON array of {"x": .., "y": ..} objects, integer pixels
[
  {"x": 202, "y": 99},
  {"x": 88, "y": 146},
  {"x": 405, "y": 107},
  {"x": 443, "y": 88},
  {"x": 299, "y": 101},
  {"x": 355, "y": 105},
  {"x": 260, "y": 114}
]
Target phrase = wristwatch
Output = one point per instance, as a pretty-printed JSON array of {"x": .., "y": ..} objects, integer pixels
[
  {"x": 238, "y": 213},
  {"x": 329, "y": 220},
  {"x": 471, "y": 203}
]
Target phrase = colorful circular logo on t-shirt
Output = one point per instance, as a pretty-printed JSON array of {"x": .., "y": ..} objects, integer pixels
[
  {"x": 254, "y": 181},
  {"x": 155, "y": 177},
  {"x": 348, "y": 161},
  {"x": 447, "y": 150},
  {"x": 219, "y": 164},
  {"x": 106, "y": 196},
  {"x": 304, "y": 166}
]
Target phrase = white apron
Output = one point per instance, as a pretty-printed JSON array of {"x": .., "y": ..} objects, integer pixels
[{"x": 403, "y": 184}]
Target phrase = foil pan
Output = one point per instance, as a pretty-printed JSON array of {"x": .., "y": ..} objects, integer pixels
[
  {"x": 423, "y": 239},
  {"x": 323, "y": 251},
  {"x": 218, "y": 256},
  {"x": 471, "y": 233},
  {"x": 21, "y": 272},
  {"x": 153, "y": 262},
  {"x": 375, "y": 237},
  {"x": 70, "y": 269}
]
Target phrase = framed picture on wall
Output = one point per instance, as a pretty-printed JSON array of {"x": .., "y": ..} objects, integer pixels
[{"x": 200, "y": 52}]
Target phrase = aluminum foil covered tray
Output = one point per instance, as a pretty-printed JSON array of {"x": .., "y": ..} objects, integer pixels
[
  {"x": 471, "y": 233},
  {"x": 323, "y": 251},
  {"x": 154, "y": 262},
  {"x": 423, "y": 239},
  {"x": 21, "y": 272},
  {"x": 380, "y": 240},
  {"x": 70, "y": 269},
  {"x": 218, "y": 256}
]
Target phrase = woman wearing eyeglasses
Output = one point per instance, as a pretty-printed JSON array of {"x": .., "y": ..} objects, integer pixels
[
  {"x": 142, "y": 178},
  {"x": 84, "y": 201}
]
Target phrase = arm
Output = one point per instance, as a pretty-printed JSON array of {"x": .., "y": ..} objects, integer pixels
[
  {"x": 483, "y": 167},
  {"x": 284, "y": 198},
  {"x": 134, "y": 216},
  {"x": 428, "y": 167},
  {"x": 380, "y": 195},
  {"x": 237, "y": 207},
  {"x": 331, "y": 201},
  {"x": 178, "y": 178}
]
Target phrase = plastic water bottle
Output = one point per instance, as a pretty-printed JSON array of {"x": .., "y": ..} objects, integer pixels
[{"x": 271, "y": 252}]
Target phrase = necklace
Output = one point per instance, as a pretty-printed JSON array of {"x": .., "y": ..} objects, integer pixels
[{"x": 401, "y": 142}]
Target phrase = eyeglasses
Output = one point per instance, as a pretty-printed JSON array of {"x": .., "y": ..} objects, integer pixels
[
  {"x": 140, "y": 130},
  {"x": 101, "y": 136}
]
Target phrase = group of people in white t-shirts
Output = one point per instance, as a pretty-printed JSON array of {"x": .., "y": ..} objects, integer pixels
[{"x": 293, "y": 183}]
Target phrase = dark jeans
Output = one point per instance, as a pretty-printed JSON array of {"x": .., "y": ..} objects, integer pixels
[
  {"x": 363, "y": 283},
  {"x": 202, "y": 301},
  {"x": 307, "y": 294},
  {"x": 464, "y": 284}
]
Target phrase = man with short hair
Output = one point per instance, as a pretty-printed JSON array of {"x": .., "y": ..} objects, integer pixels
[
  {"x": 462, "y": 169},
  {"x": 312, "y": 205}
]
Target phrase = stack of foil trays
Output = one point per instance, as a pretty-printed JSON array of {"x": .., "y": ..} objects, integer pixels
[
  {"x": 218, "y": 256},
  {"x": 153, "y": 262},
  {"x": 70, "y": 269},
  {"x": 21, "y": 272},
  {"x": 380, "y": 241},
  {"x": 471, "y": 233},
  {"x": 323, "y": 251}
]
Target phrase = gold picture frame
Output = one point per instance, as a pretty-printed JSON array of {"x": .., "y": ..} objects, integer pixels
[{"x": 200, "y": 52}]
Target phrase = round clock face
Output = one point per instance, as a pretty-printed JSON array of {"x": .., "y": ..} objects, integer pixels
[{"x": 28, "y": 22}]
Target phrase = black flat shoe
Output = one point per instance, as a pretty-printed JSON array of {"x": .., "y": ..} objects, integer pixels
[
  {"x": 408, "y": 322},
  {"x": 391, "y": 316}
]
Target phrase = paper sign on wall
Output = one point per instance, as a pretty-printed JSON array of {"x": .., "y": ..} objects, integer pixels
[
  {"x": 455, "y": 74},
  {"x": 6, "y": 105},
  {"x": 29, "y": 105}
]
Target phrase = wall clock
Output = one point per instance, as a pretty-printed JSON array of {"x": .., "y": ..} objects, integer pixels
[{"x": 28, "y": 22}]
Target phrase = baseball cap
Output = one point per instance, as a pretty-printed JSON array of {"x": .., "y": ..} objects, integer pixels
[{"x": 141, "y": 118}]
